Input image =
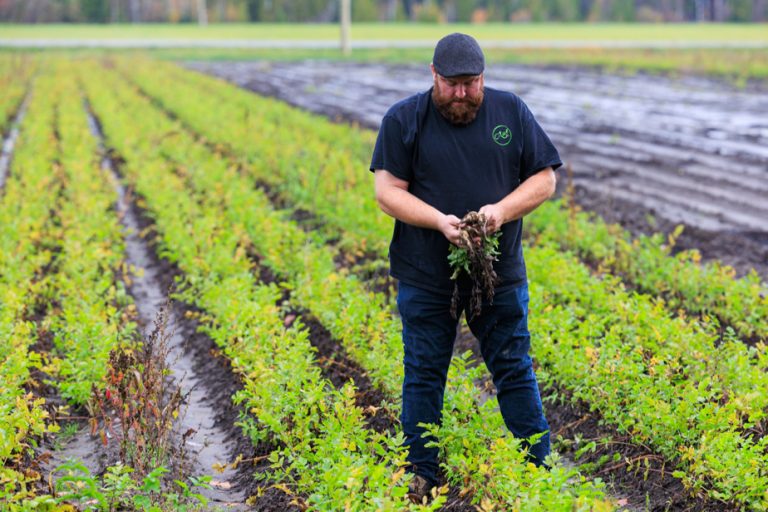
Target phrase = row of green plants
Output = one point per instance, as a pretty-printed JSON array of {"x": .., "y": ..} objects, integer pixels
[
  {"x": 738, "y": 66},
  {"x": 90, "y": 311},
  {"x": 27, "y": 244},
  {"x": 648, "y": 263},
  {"x": 310, "y": 269},
  {"x": 15, "y": 73},
  {"x": 663, "y": 380},
  {"x": 707, "y": 386},
  {"x": 326, "y": 174}
]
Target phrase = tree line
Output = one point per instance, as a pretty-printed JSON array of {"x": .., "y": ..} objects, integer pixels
[{"x": 202, "y": 11}]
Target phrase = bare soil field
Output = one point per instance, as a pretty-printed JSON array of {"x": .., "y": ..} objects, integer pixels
[{"x": 649, "y": 152}]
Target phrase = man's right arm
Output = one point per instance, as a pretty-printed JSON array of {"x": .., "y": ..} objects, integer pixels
[{"x": 395, "y": 200}]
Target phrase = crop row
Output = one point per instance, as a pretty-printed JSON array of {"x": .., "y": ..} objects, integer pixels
[
  {"x": 230, "y": 117},
  {"x": 245, "y": 215},
  {"x": 62, "y": 296},
  {"x": 29, "y": 240},
  {"x": 693, "y": 400},
  {"x": 660, "y": 379},
  {"x": 15, "y": 73},
  {"x": 647, "y": 262},
  {"x": 91, "y": 311},
  {"x": 26, "y": 249}
]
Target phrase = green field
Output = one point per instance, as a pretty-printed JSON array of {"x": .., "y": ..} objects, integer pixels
[
  {"x": 734, "y": 51},
  {"x": 736, "y": 65},
  {"x": 711, "y": 33}
]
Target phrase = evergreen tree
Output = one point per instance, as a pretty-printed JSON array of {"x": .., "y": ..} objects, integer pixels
[{"x": 94, "y": 11}]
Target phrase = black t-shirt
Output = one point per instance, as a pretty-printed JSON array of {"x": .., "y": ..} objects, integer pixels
[{"x": 458, "y": 169}]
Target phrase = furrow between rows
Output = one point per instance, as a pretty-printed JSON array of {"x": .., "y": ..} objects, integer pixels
[{"x": 9, "y": 140}]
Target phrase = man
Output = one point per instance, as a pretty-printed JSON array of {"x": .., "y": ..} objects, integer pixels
[{"x": 456, "y": 148}]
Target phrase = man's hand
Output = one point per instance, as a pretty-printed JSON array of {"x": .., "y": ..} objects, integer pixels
[
  {"x": 448, "y": 225},
  {"x": 494, "y": 217}
]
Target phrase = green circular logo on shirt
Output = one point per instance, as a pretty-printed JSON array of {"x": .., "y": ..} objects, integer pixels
[{"x": 502, "y": 135}]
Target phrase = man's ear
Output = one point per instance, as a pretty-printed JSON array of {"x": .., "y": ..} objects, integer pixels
[{"x": 434, "y": 73}]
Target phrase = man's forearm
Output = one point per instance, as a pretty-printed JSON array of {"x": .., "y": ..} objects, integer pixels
[
  {"x": 408, "y": 208},
  {"x": 521, "y": 201},
  {"x": 394, "y": 199},
  {"x": 529, "y": 195}
]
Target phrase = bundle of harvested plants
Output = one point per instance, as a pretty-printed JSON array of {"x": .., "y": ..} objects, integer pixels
[{"x": 474, "y": 255}]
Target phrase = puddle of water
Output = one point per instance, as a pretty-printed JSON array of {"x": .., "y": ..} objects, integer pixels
[{"x": 10, "y": 142}]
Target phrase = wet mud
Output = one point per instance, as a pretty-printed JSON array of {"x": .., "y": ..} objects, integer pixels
[
  {"x": 650, "y": 152},
  {"x": 202, "y": 378},
  {"x": 9, "y": 140}
]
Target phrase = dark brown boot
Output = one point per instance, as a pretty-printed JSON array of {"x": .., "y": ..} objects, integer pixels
[{"x": 419, "y": 490}]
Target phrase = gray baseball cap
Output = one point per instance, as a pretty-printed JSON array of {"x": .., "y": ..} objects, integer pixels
[{"x": 458, "y": 54}]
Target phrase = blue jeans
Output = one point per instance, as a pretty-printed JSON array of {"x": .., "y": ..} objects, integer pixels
[{"x": 429, "y": 332}]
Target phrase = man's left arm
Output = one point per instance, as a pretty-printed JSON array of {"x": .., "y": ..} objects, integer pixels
[{"x": 521, "y": 201}]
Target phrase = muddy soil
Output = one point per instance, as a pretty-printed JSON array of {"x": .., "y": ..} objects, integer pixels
[
  {"x": 648, "y": 152},
  {"x": 213, "y": 438},
  {"x": 9, "y": 140}
]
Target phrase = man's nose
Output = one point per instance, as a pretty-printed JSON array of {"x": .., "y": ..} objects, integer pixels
[{"x": 460, "y": 91}]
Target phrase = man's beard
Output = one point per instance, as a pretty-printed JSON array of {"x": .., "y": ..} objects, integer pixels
[{"x": 461, "y": 111}]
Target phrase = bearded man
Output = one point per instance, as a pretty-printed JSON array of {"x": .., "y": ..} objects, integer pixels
[{"x": 440, "y": 154}]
